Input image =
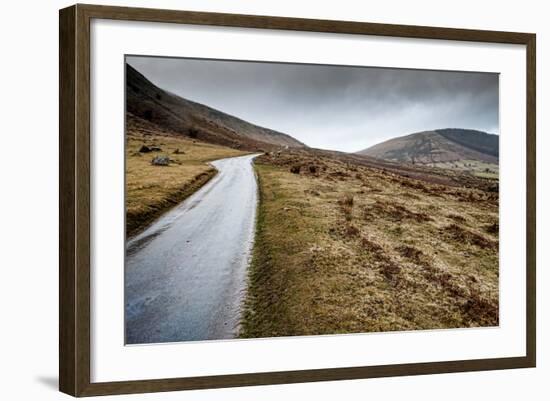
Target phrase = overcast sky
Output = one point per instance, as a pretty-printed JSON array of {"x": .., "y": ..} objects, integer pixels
[{"x": 332, "y": 107}]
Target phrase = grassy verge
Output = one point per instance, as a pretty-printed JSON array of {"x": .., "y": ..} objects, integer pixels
[
  {"x": 152, "y": 190},
  {"x": 475, "y": 167},
  {"x": 343, "y": 249}
]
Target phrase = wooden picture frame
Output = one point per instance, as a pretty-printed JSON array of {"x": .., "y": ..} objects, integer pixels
[{"x": 74, "y": 203}]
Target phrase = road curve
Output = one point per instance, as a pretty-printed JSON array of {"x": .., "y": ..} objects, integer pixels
[{"x": 185, "y": 275}]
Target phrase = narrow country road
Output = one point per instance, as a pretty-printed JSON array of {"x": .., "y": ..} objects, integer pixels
[{"x": 185, "y": 275}]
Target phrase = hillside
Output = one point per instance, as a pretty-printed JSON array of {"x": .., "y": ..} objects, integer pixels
[
  {"x": 438, "y": 147},
  {"x": 152, "y": 190},
  {"x": 194, "y": 120},
  {"x": 350, "y": 244}
]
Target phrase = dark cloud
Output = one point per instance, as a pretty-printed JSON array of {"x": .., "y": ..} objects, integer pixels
[{"x": 333, "y": 107}]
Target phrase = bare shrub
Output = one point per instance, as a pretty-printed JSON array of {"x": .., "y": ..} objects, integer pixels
[
  {"x": 347, "y": 200},
  {"x": 394, "y": 212},
  {"x": 352, "y": 231},
  {"x": 456, "y": 217},
  {"x": 458, "y": 233},
  {"x": 492, "y": 228},
  {"x": 346, "y": 204},
  {"x": 481, "y": 309},
  {"x": 371, "y": 246},
  {"x": 410, "y": 252},
  {"x": 442, "y": 278},
  {"x": 341, "y": 175},
  {"x": 414, "y": 185},
  {"x": 390, "y": 270}
]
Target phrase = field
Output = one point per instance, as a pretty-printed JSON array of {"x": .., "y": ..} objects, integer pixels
[
  {"x": 477, "y": 168},
  {"x": 400, "y": 235},
  {"x": 343, "y": 248},
  {"x": 150, "y": 189},
  {"x": 342, "y": 245}
]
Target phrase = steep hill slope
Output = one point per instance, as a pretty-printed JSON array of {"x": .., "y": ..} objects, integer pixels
[
  {"x": 439, "y": 146},
  {"x": 191, "y": 119}
]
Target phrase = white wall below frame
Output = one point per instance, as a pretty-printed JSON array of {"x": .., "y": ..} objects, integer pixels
[{"x": 28, "y": 291}]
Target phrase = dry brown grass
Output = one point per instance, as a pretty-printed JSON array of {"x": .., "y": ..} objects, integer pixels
[
  {"x": 492, "y": 228},
  {"x": 346, "y": 204},
  {"x": 462, "y": 235},
  {"x": 393, "y": 211},
  {"x": 351, "y": 248},
  {"x": 410, "y": 252},
  {"x": 151, "y": 190}
]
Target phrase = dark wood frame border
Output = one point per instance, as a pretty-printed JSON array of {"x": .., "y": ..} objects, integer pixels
[{"x": 74, "y": 199}]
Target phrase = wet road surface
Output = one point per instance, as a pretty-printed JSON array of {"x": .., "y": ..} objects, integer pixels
[{"x": 185, "y": 275}]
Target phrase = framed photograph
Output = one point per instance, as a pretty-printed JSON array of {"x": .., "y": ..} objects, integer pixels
[{"x": 250, "y": 200}]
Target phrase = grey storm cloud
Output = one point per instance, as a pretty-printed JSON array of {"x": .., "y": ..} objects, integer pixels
[{"x": 332, "y": 107}]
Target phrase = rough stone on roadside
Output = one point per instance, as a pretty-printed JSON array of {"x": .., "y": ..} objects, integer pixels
[{"x": 160, "y": 160}]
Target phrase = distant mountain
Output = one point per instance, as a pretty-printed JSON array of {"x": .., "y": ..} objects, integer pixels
[
  {"x": 184, "y": 117},
  {"x": 439, "y": 146}
]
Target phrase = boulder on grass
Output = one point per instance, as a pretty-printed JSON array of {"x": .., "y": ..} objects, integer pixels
[
  {"x": 144, "y": 149},
  {"x": 160, "y": 161}
]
